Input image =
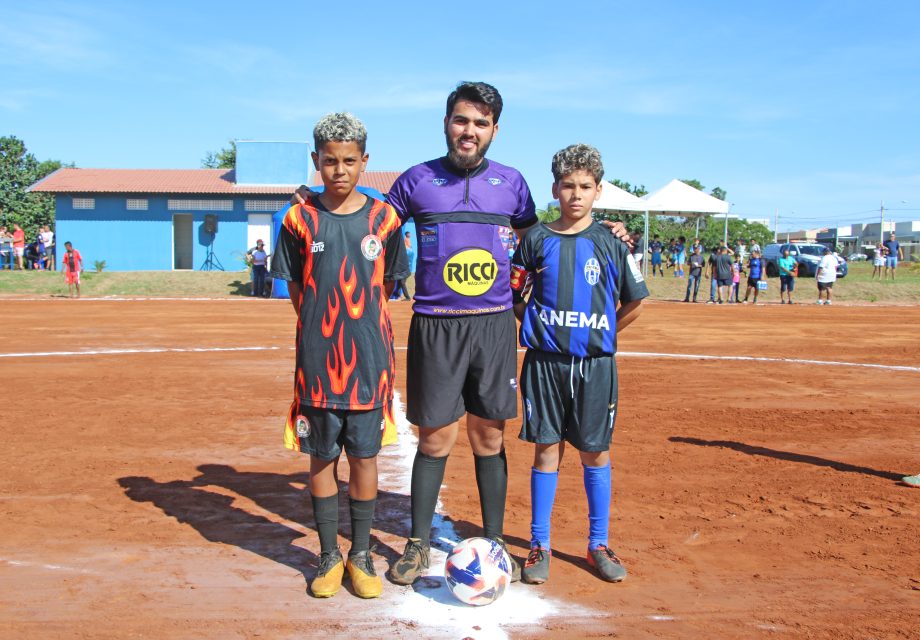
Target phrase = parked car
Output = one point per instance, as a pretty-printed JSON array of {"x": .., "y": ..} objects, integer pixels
[
  {"x": 857, "y": 257},
  {"x": 807, "y": 256}
]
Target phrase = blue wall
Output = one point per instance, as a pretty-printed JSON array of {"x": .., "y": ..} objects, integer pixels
[
  {"x": 143, "y": 240},
  {"x": 272, "y": 162}
]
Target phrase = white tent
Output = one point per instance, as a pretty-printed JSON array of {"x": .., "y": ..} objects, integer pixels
[
  {"x": 680, "y": 199},
  {"x": 615, "y": 199}
]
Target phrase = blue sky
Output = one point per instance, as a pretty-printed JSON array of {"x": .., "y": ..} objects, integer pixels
[{"x": 805, "y": 107}]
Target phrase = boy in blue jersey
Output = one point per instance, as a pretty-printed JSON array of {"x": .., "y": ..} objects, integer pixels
[{"x": 578, "y": 273}]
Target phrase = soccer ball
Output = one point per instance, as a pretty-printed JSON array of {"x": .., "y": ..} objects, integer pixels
[{"x": 478, "y": 571}]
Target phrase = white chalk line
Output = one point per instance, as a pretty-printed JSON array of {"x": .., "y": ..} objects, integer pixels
[
  {"x": 140, "y": 299},
  {"x": 42, "y": 565},
  {"x": 624, "y": 354}
]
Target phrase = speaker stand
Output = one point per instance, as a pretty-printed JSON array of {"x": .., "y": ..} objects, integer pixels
[{"x": 211, "y": 262}]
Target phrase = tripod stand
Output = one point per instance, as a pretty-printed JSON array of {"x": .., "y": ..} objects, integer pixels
[{"x": 211, "y": 263}]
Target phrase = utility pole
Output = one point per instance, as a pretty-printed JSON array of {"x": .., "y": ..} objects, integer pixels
[
  {"x": 776, "y": 225},
  {"x": 881, "y": 222}
]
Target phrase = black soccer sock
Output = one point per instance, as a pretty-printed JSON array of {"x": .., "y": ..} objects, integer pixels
[
  {"x": 326, "y": 515},
  {"x": 362, "y": 516},
  {"x": 427, "y": 476},
  {"x": 492, "y": 480}
]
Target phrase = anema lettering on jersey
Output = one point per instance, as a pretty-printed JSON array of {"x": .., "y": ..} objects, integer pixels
[
  {"x": 574, "y": 319},
  {"x": 470, "y": 272}
]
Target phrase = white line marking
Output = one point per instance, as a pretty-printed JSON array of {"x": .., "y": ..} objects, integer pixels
[
  {"x": 116, "y": 352},
  {"x": 624, "y": 354},
  {"x": 50, "y": 567},
  {"x": 139, "y": 299}
]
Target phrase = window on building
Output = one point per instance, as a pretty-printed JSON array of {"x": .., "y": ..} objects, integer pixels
[
  {"x": 200, "y": 205},
  {"x": 84, "y": 203},
  {"x": 139, "y": 204},
  {"x": 266, "y": 205}
]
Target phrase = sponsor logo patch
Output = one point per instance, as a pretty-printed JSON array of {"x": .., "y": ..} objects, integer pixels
[
  {"x": 428, "y": 235},
  {"x": 495, "y": 181},
  {"x": 592, "y": 271},
  {"x": 574, "y": 319},
  {"x": 470, "y": 272},
  {"x": 439, "y": 182},
  {"x": 302, "y": 426},
  {"x": 528, "y": 409},
  {"x": 317, "y": 247},
  {"x": 371, "y": 247}
]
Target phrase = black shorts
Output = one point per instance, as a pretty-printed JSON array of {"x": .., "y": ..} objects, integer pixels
[
  {"x": 460, "y": 365},
  {"x": 569, "y": 398},
  {"x": 787, "y": 283},
  {"x": 752, "y": 282},
  {"x": 724, "y": 282},
  {"x": 824, "y": 286},
  {"x": 324, "y": 432}
]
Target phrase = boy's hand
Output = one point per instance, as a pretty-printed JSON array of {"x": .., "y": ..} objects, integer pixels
[
  {"x": 619, "y": 230},
  {"x": 300, "y": 196}
]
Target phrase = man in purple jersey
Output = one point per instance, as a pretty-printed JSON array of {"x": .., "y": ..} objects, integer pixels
[{"x": 461, "y": 351}]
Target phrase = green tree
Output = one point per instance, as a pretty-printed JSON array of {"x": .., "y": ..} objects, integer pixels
[
  {"x": 19, "y": 170},
  {"x": 714, "y": 231},
  {"x": 549, "y": 214},
  {"x": 696, "y": 184},
  {"x": 223, "y": 159},
  {"x": 718, "y": 192},
  {"x": 639, "y": 190}
]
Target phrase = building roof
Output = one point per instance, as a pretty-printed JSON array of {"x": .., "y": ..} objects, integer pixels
[
  {"x": 198, "y": 181},
  {"x": 379, "y": 180},
  {"x": 201, "y": 181}
]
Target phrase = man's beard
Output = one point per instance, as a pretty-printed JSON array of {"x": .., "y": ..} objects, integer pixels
[{"x": 466, "y": 161}]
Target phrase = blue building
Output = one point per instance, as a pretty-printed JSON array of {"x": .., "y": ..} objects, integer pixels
[{"x": 166, "y": 219}]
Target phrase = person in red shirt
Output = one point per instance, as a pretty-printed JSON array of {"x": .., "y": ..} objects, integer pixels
[
  {"x": 19, "y": 244},
  {"x": 72, "y": 263}
]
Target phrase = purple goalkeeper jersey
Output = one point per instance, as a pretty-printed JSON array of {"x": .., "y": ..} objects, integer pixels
[{"x": 464, "y": 222}]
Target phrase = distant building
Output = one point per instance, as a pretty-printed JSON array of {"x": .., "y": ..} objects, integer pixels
[{"x": 166, "y": 219}]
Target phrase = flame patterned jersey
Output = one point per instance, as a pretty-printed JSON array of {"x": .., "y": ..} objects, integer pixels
[{"x": 345, "y": 357}]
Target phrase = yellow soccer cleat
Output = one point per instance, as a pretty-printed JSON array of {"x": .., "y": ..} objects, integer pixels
[
  {"x": 328, "y": 578},
  {"x": 364, "y": 578}
]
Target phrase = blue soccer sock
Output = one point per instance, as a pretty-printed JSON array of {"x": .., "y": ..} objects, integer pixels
[
  {"x": 597, "y": 488},
  {"x": 542, "y": 497}
]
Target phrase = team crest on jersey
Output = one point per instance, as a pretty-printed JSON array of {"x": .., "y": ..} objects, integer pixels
[
  {"x": 302, "y": 425},
  {"x": 592, "y": 271},
  {"x": 371, "y": 247},
  {"x": 494, "y": 182},
  {"x": 439, "y": 182}
]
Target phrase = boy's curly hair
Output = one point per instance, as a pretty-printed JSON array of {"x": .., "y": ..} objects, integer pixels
[
  {"x": 577, "y": 157},
  {"x": 339, "y": 127}
]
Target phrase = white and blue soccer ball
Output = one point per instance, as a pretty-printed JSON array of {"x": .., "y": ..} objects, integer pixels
[{"x": 478, "y": 570}]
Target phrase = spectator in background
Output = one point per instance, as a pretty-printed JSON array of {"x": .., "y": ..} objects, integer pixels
[
  {"x": 654, "y": 248},
  {"x": 696, "y": 272},
  {"x": 755, "y": 272},
  {"x": 787, "y": 271},
  {"x": 259, "y": 268},
  {"x": 19, "y": 244},
  {"x": 681, "y": 249},
  {"x": 737, "y": 270},
  {"x": 878, "y": 261},
  {"x": 711, "y": 272},
  {"x": 754, "y": 246},
  {"x": 894, "y": 253},
  {"x": 6, "y": 248},
  {"x": 72, "y": 264},
  {"x": 47, "y": 236},
  {"x": 826, "y": 276},
  {"x": 723, "y": 270}
]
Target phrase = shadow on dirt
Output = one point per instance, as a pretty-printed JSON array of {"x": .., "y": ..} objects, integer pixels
[
  {"x": 213, "y": 515},
  {"x": 752, "y": 450}
]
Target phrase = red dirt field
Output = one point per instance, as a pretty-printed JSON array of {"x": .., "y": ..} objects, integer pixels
[{"x": 145, "y": 492}]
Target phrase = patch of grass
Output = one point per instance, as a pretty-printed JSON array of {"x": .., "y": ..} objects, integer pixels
[
  {"x": 130, "y": 283},
  {"x": 858, "y": 286}
]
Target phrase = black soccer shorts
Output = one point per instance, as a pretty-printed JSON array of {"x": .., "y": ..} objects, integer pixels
[
  {"x": 569, "y": 398},
  {"x": 460, "y": 365},
  {"x": 325, "y": 432}
]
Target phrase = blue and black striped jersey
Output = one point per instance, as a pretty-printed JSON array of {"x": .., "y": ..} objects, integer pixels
[{"x": 577, "y": 281}]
